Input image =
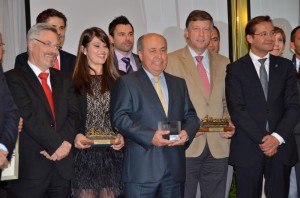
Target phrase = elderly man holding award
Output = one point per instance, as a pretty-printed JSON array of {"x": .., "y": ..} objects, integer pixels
[{"x": 144, "y": 104}]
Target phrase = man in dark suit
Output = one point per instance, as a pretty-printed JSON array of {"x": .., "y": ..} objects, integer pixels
[
  {"x": 121, "y": 34},
  {"x": 263, "y": 102},
  {"x": 9, "y": 117},
  {"x": 153, "y": 166},
  {"x": 295, "y": 174},
  {"x": 50, "y": 111},
  {"x": 58, "y": 20}
]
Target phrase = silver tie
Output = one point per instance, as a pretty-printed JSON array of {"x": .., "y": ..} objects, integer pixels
[
  {"x": 263, "y": 76},
  {"x": 264, "y": 81}
]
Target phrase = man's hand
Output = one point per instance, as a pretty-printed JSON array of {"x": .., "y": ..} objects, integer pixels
[
  {"x": 60, "y": 153},
  {"x": 119, "y": 142},
  {"x": 183, "y": 138},
  {"x": 3, "y": 159},
  {"x": 20, "y": 125},
  {"x": 269, "y": 145},
  {"x": 79, "y": 141},
  {"x": 228, "y": 134},
  {"x": 199, "y": 133},
  {"x": 158, "y": 139}
]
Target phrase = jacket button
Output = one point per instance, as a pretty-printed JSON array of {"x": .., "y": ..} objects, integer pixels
[{"x": 52, "y": 125}]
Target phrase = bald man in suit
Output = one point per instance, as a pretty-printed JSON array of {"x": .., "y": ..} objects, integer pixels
[
  {"x": 153, "y": 166},
  {"x": 207, "y": 157}
]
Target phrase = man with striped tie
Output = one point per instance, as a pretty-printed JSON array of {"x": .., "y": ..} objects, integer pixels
[{"x": 121, "y": 34}]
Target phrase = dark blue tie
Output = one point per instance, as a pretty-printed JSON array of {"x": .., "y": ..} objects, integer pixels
[{"x": 126, "y": 60}]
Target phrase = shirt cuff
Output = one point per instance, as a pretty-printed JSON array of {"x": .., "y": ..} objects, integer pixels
[
  {"x": 278, "y": 137},
  {"x": 2, "y": 147}
]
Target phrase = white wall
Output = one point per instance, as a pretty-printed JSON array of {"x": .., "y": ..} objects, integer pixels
[
  {"x": 285, "y": 14},
  {"x": 166, "y": 17}
]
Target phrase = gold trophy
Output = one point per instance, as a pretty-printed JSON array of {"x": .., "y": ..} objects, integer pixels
[
  {"x": 100, "y": 138},
  {"x": 209, "y": 124}
]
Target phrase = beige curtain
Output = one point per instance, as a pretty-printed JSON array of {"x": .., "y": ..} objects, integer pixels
[{"x": 13, "y": 28}]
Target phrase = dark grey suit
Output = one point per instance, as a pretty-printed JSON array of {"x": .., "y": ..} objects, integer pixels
[
  {"x": 297, "y": 137},
  {"x": 9, "y": 117},
  {"x": 250, "y": 111},
  {"x": 136, "y": 110}
]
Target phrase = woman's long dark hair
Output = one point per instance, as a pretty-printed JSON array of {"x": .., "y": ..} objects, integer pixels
[{"x": 81, "y": 74}]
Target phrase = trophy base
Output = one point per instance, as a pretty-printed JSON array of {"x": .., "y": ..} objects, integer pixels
[
  {"x": 216, "y": 129},
  {"x": 100, "y": 140}
]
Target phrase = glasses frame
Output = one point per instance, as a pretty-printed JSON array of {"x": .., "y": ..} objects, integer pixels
[
  {"x": 265, "y": 34},
  {"x": 57, "y": 47}
]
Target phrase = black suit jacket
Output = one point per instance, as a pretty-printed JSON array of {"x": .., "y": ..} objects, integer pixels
[
  {"x": 39, "y": 132},
  {"x": 136, "y": 59},
  {"x": 136, "y": 110},
  {"x": 67, "y": 61},
  {"x": 9, "y": 116},
  {"x": 250, "y": 111}
]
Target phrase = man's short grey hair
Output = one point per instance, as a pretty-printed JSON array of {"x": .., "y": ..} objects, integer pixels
[{"x": 35, "y": 30}]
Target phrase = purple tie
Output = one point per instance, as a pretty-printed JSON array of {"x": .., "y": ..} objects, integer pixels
[{"x": 126, "y": 60}]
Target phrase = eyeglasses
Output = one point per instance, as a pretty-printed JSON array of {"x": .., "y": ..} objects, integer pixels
[
  {"x": 49, "y": 45},
  {"x": 264, "y": 34},
  {"x": 2, "y": 44}
]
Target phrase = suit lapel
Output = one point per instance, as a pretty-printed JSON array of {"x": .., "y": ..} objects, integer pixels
[
  {"x": 274, "y": 73},
  {"x": 150, "y": 93},
  {"x": 191, "y": 69},
  {"x": 213, "y": 67},
  {"x": 253, "y": 77},
  {"x": 56, "y": 90},
  {"x": 37, "y": 88}
]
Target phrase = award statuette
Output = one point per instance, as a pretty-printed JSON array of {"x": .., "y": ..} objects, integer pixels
[
  {"x": 100, "y": 138},
  {"x": 209, "y": 124},
  {"x": 173, "y": 126}
]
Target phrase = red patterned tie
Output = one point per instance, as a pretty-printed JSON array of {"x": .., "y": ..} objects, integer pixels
[
  {"x": 47, "y": 90},
  {"x": 203, "y": 75},
  {"x": 56, "y": 64}
]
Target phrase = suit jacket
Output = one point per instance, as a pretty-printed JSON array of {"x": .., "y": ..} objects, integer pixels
[
  {"x": 181, "y": 63},
  {"x": 39, "y": 132},
  {"x": 250, "y": 111},
  {"x": 136, "y": 110},
  {"x": 136, "y": 59},
  {"x": 67, "y": 61},
  {"x": 9, "y": 117}
]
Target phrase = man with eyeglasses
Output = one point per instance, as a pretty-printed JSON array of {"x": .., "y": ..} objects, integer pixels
[
  {"x": 263, "y": 102},
  {"x": 49, "y": 107},
  {"x": 65, "y": 61}
]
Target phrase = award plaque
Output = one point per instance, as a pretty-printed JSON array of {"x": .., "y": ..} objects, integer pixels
[
  {"x": 12, "y": 170},
  {"x": 100, "y": 138},
  {"x": 209, "y": 124},
  {"x": 173, "y": 126}
]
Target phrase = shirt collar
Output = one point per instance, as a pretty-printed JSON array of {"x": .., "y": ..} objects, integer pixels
[
  {"x": 37, "y": 70},
  {"x": 256, "y": 58},
  {"x": 151, "y": 77}
]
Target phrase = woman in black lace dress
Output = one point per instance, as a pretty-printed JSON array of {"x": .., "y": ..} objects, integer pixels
[{"x": 97, "y": 169}]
